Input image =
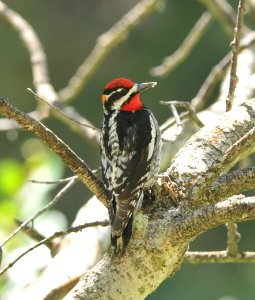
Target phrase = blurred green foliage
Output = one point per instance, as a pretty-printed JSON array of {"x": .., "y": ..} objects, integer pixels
[
  {"x": 12, "y": 175},
  {"x": 21, "y": 199},
  {"x": 68, "y": 30}
]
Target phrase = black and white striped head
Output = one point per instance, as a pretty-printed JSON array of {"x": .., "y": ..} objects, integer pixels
[{"x": 124, "y": 94}]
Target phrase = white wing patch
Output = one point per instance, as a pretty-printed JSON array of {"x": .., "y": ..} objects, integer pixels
[{"x": 151, "y": 145}]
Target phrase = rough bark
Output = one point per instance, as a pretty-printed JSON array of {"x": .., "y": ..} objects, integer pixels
[
  {"x": 161, "y": 238},
  {"x": 156, "y": 251}
]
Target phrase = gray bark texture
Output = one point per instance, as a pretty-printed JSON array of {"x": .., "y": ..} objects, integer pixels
[{"x": 161, "y": 237}]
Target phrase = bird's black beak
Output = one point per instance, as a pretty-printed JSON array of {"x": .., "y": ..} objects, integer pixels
[{"x": 144, "y": 86}]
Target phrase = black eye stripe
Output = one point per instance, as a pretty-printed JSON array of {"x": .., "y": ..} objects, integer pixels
[
  {"x": 115, "y": 96},
  {"x": 109, "y": 91}
]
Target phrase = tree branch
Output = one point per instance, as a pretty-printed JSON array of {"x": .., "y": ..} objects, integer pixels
[
  {"x": 40, "y": 212},
  {"x": 171, "y": 62},
  {"x": 233, "y": 239},
  {"x": 76, "y": 164},
  {"x": 235, "y": 51},
  {"x": 212, "y": 151},
  {"x": 156, "y": 250},
  {"x": 36, "y": 52},
  {"x": 67, "y": 179},
  {"x": 37, "y": 236},
  {"x": 233, "y": 236},
  {"x": 77, "y": 253},
  {"x": 236, "y": 182},
  {"x": 105, "y": 43},
  {"x": 221, "y": 257},
  {"x": 222, "y": 11},
  {"x": 41, "y": 78},
  {"x": 52, "y": 237},
  {"x": 217, "y": 72}
]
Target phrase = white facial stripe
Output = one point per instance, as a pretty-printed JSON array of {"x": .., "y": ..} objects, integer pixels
[{"x": 117, "y": 104}]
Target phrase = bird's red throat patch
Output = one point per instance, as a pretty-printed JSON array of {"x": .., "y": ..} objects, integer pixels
[{"x": 133, "y": 105}]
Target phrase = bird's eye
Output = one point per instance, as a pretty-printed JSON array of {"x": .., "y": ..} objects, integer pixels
[{"x": 122, "y": 91}]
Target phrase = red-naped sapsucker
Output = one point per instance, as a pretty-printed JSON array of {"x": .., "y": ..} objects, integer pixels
[{"x": 130, "y": 153}]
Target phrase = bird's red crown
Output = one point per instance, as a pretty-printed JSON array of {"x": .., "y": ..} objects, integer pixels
[
  {"x": 119, "y": 82},
  {"x": 123, "y": 94}
]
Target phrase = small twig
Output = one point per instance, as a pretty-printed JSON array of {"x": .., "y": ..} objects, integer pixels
[
  {"x": 36, "y": 52},
  {"x": 233, "y": 239},
  {"x": 55, "y": 235},
  {"x": 93, "y": 136},
  {"x": 235, "y": 45},
  {"x": 104, "y": 44},
  {"x": 73, "y": 161},
  {"x": 41, "y": 78},
  {"x": 61, "y": 111},
  {"x": 53, "y": 181},
  {"x": 37, "y": 236},
  {"x": 222, "y": 257},
  {"x": 171, "y": 122},
  {"x": 224, "y": 12},
  {"x": 96, "y": 172},
  {"x": 40, "y": 212},
  {"x": 171, "y": 62},
  {"x": 188, "y": 106},
  {"x": 217, "y": 72},
  {"x": 177, "y": 118},
  {"x": 177, "y": 122}
]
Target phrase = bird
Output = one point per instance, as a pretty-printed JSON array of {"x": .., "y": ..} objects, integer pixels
[{"x": 130, "y": 147}]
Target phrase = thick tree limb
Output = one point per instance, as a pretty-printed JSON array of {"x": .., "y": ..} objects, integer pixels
[
  {"x": 245, "y": 90},
  {"x": 236, "y": 182},
  {"x": 212, "y": 151},
  {"x": 156, "y": 251}
]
